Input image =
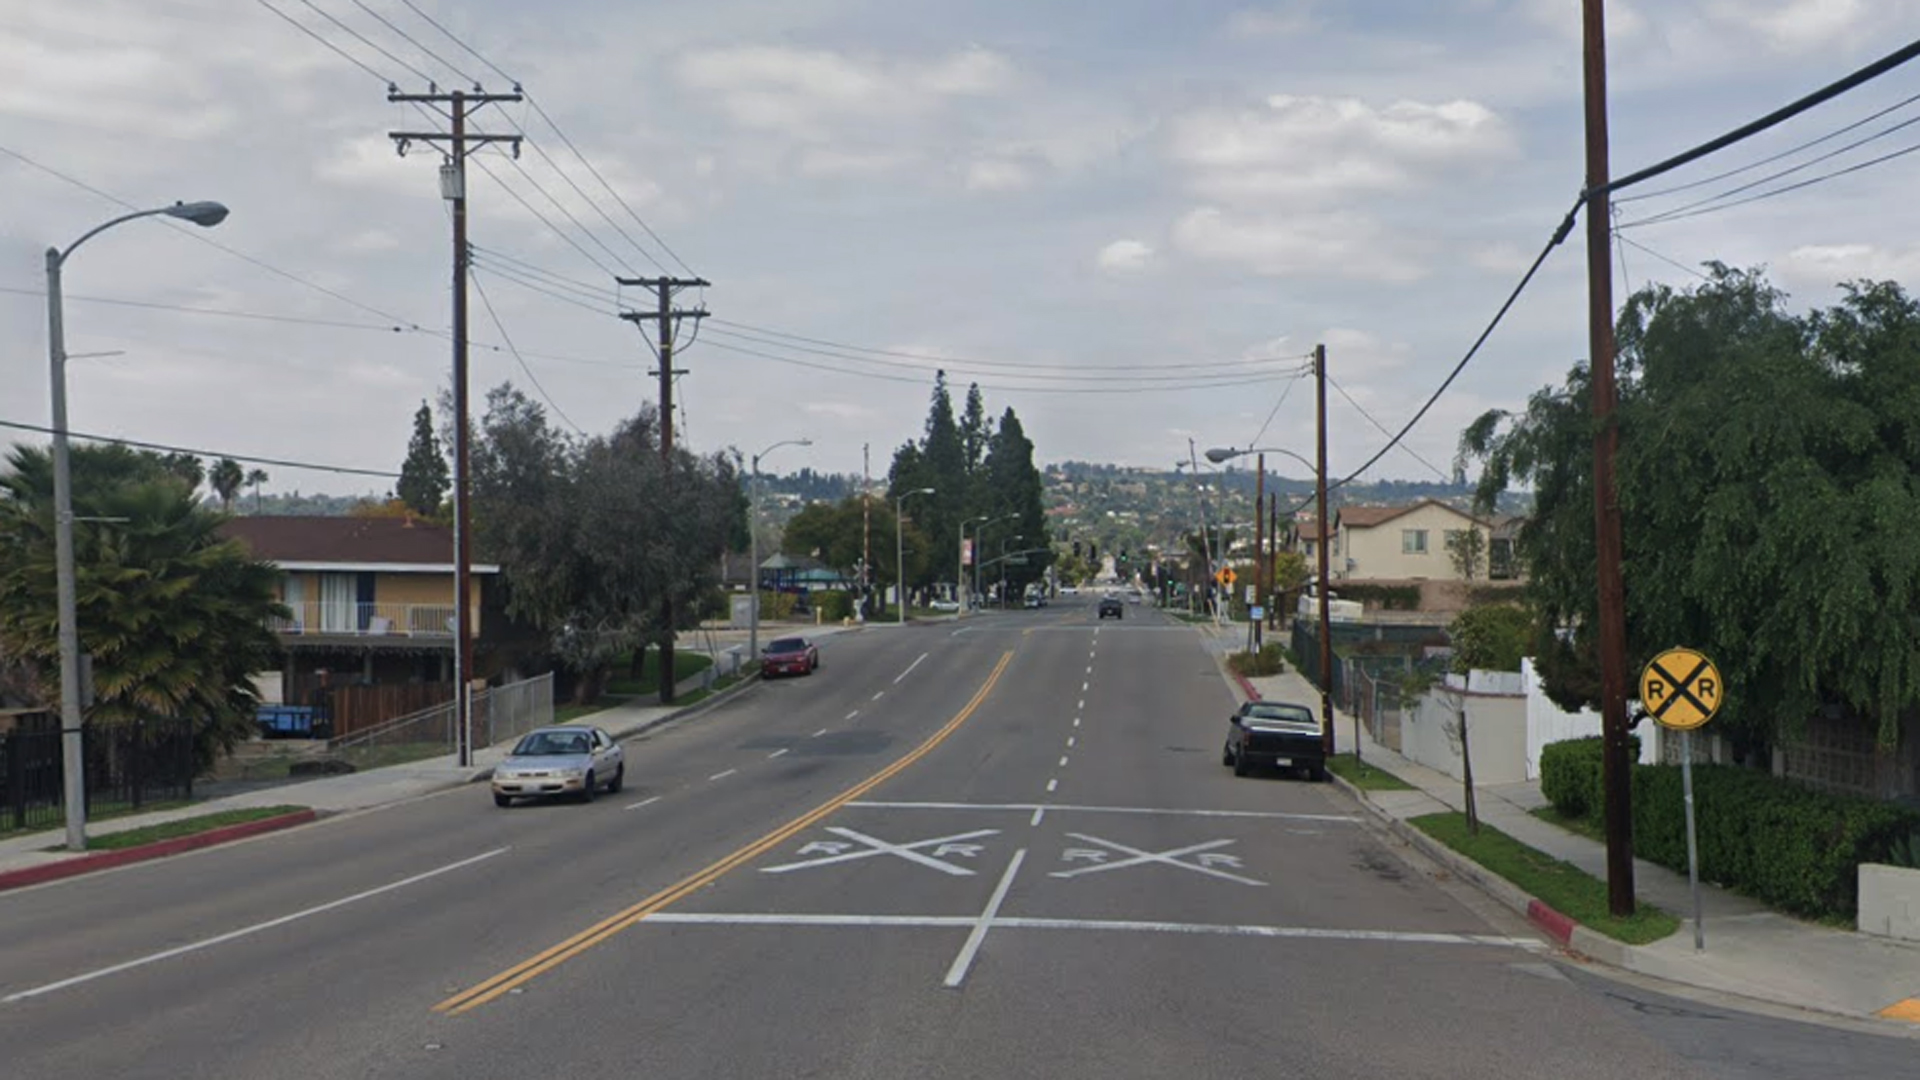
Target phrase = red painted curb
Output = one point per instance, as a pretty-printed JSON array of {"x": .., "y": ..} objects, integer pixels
[
  {"x": 1557, "y": 926},
  {"x": 1252, "y": 694},
  {"x": 106, "y": 860}
]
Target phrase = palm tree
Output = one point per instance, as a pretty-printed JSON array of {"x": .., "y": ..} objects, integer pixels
[
  {"x": 255, "y": 478},
  {"x": 226, "y": 478},
  {"x": 174, "y": 616}
]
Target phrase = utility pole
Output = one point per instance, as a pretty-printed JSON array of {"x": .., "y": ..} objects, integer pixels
[
  {"x": 459, "y": 142},
  {"x": 1273, "y": 553},
  {"x": 1326, "y": 584},
  {"x": 1259, "y": 546},
  {"x": 866, "y": 526},
  {"x": 668, "y": 317},
  {"x": 1617, "y": 775}
]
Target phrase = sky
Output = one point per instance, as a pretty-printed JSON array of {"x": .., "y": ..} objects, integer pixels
[{"x": 1129, "y": 221}]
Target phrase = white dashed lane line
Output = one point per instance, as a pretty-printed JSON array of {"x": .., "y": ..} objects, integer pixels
[
  {"x": 643, "y": 802},
  {"x": 723, "y": 775},
  {"x": 1063, "y": 761},
  {"x": 778, "y": 752},
  {"x": 1053, "y": 785},
  {"x": 823, "y": 731}
]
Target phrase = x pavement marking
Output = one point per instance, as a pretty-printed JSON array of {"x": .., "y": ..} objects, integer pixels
[
  {"x": 1169, "y": 858},
  {"x": 875, "y": 846}
]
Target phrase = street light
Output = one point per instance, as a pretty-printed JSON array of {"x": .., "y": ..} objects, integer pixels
[
  {"x": 985, "y": 521},
  {"x": 900, "y": 551},
  {"x": 753, "y": 530},
  {"x": 73, "y": 762},
  {"x": 1003, "y": 565},
  {"x": 1326, "y": 622}
]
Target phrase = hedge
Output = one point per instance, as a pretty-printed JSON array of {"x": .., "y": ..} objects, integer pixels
[
  {"x": 1792, "y": 847},
  {"x": 1268, "y": 661}
]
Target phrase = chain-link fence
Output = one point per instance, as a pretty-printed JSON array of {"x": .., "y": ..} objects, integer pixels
[{"x": 500, "y": 714}]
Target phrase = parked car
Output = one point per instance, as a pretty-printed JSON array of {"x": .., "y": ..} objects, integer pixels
[
  {"x": 570, "y": 759},
  {"x": 944, "y": 605},
  {"x": 1277, "y": 734},
  {"x": 1110, "y": 605},
  {"x": 789, "y": 656}
]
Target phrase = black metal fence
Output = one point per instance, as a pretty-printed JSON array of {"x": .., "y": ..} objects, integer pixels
[{"x": 128, "y": 766}]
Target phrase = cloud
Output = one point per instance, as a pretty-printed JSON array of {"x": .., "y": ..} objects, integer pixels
[
  {"x": 1826, "y": 265},
  {"x": 1341, "y": 245},
  {"x": 1499, "y": 258},
  {"x": 1284, "y": 20},
  {"x": 808, "y": 91},
  {"x": 1124, "y": 256},
  {"x": 1320, "y": 148},
  {"x": 997, "y": 175},
  {"x": 820, "y": 161},
  {"x": 1797, "y": 25}
]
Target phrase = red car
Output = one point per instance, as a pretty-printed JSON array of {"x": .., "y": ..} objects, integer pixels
[{"x": 789, "y": 656}]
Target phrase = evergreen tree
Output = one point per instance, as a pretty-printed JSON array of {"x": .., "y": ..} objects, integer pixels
[{"x": 424, "y": 477}]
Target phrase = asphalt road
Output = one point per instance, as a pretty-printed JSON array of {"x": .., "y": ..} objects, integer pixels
[{"x": 1002, "y": 848}]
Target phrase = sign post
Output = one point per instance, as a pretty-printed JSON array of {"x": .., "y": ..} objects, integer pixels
[{"x": 1682, "y": 690}]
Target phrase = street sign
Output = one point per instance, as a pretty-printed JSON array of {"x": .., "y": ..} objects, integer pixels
[
  {"x": 1226, "y": 576},
  {"x": 1252, "y": 594},
  {"x": 1681, "y": 689},
  {"x": 1256, "y": 613}
]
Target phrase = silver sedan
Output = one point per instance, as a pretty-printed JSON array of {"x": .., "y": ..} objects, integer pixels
[{"x": 570, "y": 759}]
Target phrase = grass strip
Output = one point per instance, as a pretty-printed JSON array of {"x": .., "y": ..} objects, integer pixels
[
  {"x": 1560, "y": 885},
  {"x": 171, "y": 830},
  {"x": 1365, "y": 775}
]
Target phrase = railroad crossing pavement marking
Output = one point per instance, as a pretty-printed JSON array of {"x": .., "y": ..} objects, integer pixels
[
  {"x": 835, "y": 851},
  {"x": 1070, "y": 808},
  {"x": 1204, "y": 861}
]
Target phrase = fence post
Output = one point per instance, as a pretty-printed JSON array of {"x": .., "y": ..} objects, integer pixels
[{"x": 10, "y": 749}]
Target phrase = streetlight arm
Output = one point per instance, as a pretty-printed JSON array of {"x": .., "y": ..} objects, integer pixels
[
  {"x": 1221, "y": 454},
  {"x": 204, "y": 214}
]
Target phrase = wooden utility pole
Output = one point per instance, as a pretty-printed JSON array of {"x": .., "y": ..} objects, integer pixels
[
  {"x": 866, "y": 527},
  {"x": 1260, "y": 565},
  {"x": 1617, "y": 766},
  {"x": 668, "y": 317},
  {"x": 1326, "y": 583},
  {"x": 453, "y": 187}
]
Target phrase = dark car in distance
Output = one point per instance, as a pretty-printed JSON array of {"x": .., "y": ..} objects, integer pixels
[
  {"x": 1111, "y": 605},
  {"x": 789, "y": 656},
  {"x": 1276, "y": 734}
]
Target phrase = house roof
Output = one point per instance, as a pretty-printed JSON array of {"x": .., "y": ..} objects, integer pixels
[
  {"x": 349, "y": 543},
  {"x": 1367, "y": 517}
]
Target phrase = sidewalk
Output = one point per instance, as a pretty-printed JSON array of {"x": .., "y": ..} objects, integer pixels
[
  {"x": 1751, "y": 951},
  {"x": 352, "y": 791}
]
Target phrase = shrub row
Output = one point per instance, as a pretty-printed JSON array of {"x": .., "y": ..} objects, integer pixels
[
  {"x": 1268, "y": 661},
  {"x": 1790, "y": 846}
]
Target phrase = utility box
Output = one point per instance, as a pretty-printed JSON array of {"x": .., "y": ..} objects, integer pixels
[{"x": 741, "y": 615}]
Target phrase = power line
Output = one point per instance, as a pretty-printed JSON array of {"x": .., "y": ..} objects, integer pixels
[
  {"x": 344, "y": 470},
  {"x": 1275, "y": 411},
  {"x": 369, "y": 43},
  {"x": 1782, "y": 155},
  {"x": 300, "y": 320},
  {"x": 415, "y": 42},
  {"x": 1778, "y": 116},
  {"x": 199, "y": 236},
  {"x": 344, "y": 54},
  {"x": 542, "y": 218},
  {"x": 535, "y": 379},
  {"x": 558, "y": 281},
  {"x": 1631, "y": 242},
  {"x": 541, "y": 112},
  {"x": 1410, "y": 451},
  {"x": 795, "y": 361},
  {"x": 1679, "y": 211},
  {"x": 509, "y": 274},
  {"x": 1663, "y": 219},
  {"x": 568, "y": 214}
]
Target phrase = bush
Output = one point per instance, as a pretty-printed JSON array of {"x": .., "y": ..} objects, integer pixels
[
  {"x": 1268, "y": 661},
  {"x": 1573, "y": 776},
  {"x": 834, "y": 605},
  {"x": 1792, "y": 847}
]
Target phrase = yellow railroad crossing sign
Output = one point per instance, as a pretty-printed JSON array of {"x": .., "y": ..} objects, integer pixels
[
  {"x": 1681, "y": 689},
  {"x": 1226, "y": 576}
]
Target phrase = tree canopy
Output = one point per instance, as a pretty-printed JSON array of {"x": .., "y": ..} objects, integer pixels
[
  {"x": 1768, "y": 496},
  {"x": 978, "y": 468},
  {"x": 595, "y": 533},
  {"x": 175, "y": 617},
  {"x": 425, "y": 477}
]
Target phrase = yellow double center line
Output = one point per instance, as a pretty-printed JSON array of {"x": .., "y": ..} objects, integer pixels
[{"x": 532, "y": 968}]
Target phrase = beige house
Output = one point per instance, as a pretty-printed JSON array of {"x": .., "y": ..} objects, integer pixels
[{"x": 1402, "y": 543}]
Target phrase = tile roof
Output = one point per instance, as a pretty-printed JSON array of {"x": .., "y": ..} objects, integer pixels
[{"x": 362, "y": 540}]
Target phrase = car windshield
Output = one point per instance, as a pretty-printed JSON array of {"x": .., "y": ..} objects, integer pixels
[
  {"x": 1289, "y": 713},
  {"x": 545, "y": 743},
  {"x": 786, "y": 645}
]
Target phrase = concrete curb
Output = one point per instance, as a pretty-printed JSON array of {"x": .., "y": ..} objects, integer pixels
[{"x": 106, "y": 860}]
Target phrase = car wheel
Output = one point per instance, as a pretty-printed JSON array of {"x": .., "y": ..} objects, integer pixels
[
  {"x": 1226, "y": 754},
  {"x": 590, "y": 790},
  {"x": 619, "y": 779},
  {"x": 503, "y": 801},
  {"x": 1240, "y": 765}
]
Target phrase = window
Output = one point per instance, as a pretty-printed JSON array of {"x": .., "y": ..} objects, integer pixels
[{"x": 1413, "y": 541}]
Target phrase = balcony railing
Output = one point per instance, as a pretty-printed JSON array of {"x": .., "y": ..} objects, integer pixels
[{"x": 318, "y": 617}]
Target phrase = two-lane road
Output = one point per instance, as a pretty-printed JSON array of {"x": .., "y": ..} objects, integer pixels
[{"x": 1004, "y": 847}]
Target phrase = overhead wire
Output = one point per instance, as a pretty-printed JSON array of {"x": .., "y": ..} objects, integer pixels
[
  {"x": 416, "y": 43},
  {"x": 1644, "y": 249},
  {"x": 283, "y": 463},
  {"x": 481, "y": 289},
  {"x": 481, "y": 161},
  {"x": 368, "y": 42},
  {"x": 1022, "y": 365},
  {"x": 1408, "y": 450},
  {"x": 1663, "y": 219},
  {"x": 344, "y": 54},
  {"x": 1275, "y": 411}
]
